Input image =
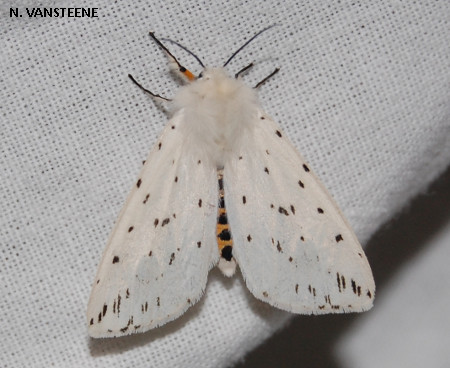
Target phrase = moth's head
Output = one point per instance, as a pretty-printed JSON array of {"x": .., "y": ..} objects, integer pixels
[
  {"x": 216, "y": 82},
  {"x": 214, "y": 74},
  {"x": 214, "y": 92}
]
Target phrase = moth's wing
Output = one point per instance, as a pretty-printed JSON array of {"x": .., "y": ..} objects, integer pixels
[
  {"x": 295, "y": 249},
  {"x": 159, "y": 253}
]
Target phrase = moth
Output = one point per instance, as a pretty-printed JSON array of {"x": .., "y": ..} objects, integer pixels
[{"x": 223, "y": 185}]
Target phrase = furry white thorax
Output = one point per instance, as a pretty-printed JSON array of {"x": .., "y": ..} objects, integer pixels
[{"x": 217, "y": 110}]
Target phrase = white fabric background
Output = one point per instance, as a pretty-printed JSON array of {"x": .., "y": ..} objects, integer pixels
[{"x": 363, "y": 92}]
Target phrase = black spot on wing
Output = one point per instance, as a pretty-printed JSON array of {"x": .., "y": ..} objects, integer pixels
[
  {"x": 249, "y": 238},
  {"x": 156, "y": 222},
  {"x": 283, "y": 211},
  {"x": 146, "y": 198},
  {"x": 159, "y": 145},
  {"x": 139, "y": 182},
  {"x": 320, "y": 210},
  {"x": 306, "y": 168},
  {"x": 199, "y": 244},
  {"x": 115, "y": 259},
  {"x": 130, "y": 229},
  {"x": 278, "y": 133},
  {"x": 172, "y": 258},
  {"x": 165, "y": 222},
  {"x": 119, "y": 299},
  {"x": 200, "y": 202},
  {"x": 354, "y": 286},
  {"x": 301, "y": 184},
  {"x": 244, "y": 200},
  {"x": 266, "y": 170},
  {"x": 279, "y": 247},
  {"x": 339, "y": 238}
]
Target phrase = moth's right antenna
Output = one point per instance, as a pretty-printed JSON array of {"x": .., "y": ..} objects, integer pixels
[{"x": 245, "y": 44}]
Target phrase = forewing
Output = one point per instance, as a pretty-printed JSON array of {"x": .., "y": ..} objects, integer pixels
[
  {"x": 294, "y": 247},
  {"x": 159, "y": 253}
]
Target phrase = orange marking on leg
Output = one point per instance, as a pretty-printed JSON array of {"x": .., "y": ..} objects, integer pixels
[{"x": 188, "y": 74}]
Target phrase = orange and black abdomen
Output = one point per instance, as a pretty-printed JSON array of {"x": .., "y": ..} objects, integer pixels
[{"x": 224, "y": 239}]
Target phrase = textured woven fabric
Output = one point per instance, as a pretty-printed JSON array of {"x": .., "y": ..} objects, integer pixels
[{"x": 363, "y": 92}]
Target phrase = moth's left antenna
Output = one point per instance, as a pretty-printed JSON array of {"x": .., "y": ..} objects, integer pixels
[{"x": 185, "y": 72}]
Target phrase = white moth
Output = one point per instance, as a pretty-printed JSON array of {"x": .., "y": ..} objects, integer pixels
[{"x": 293, "y": 246}]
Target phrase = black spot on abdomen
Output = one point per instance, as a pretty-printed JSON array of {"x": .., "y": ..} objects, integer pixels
[{"x": 227, "y": 252}]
